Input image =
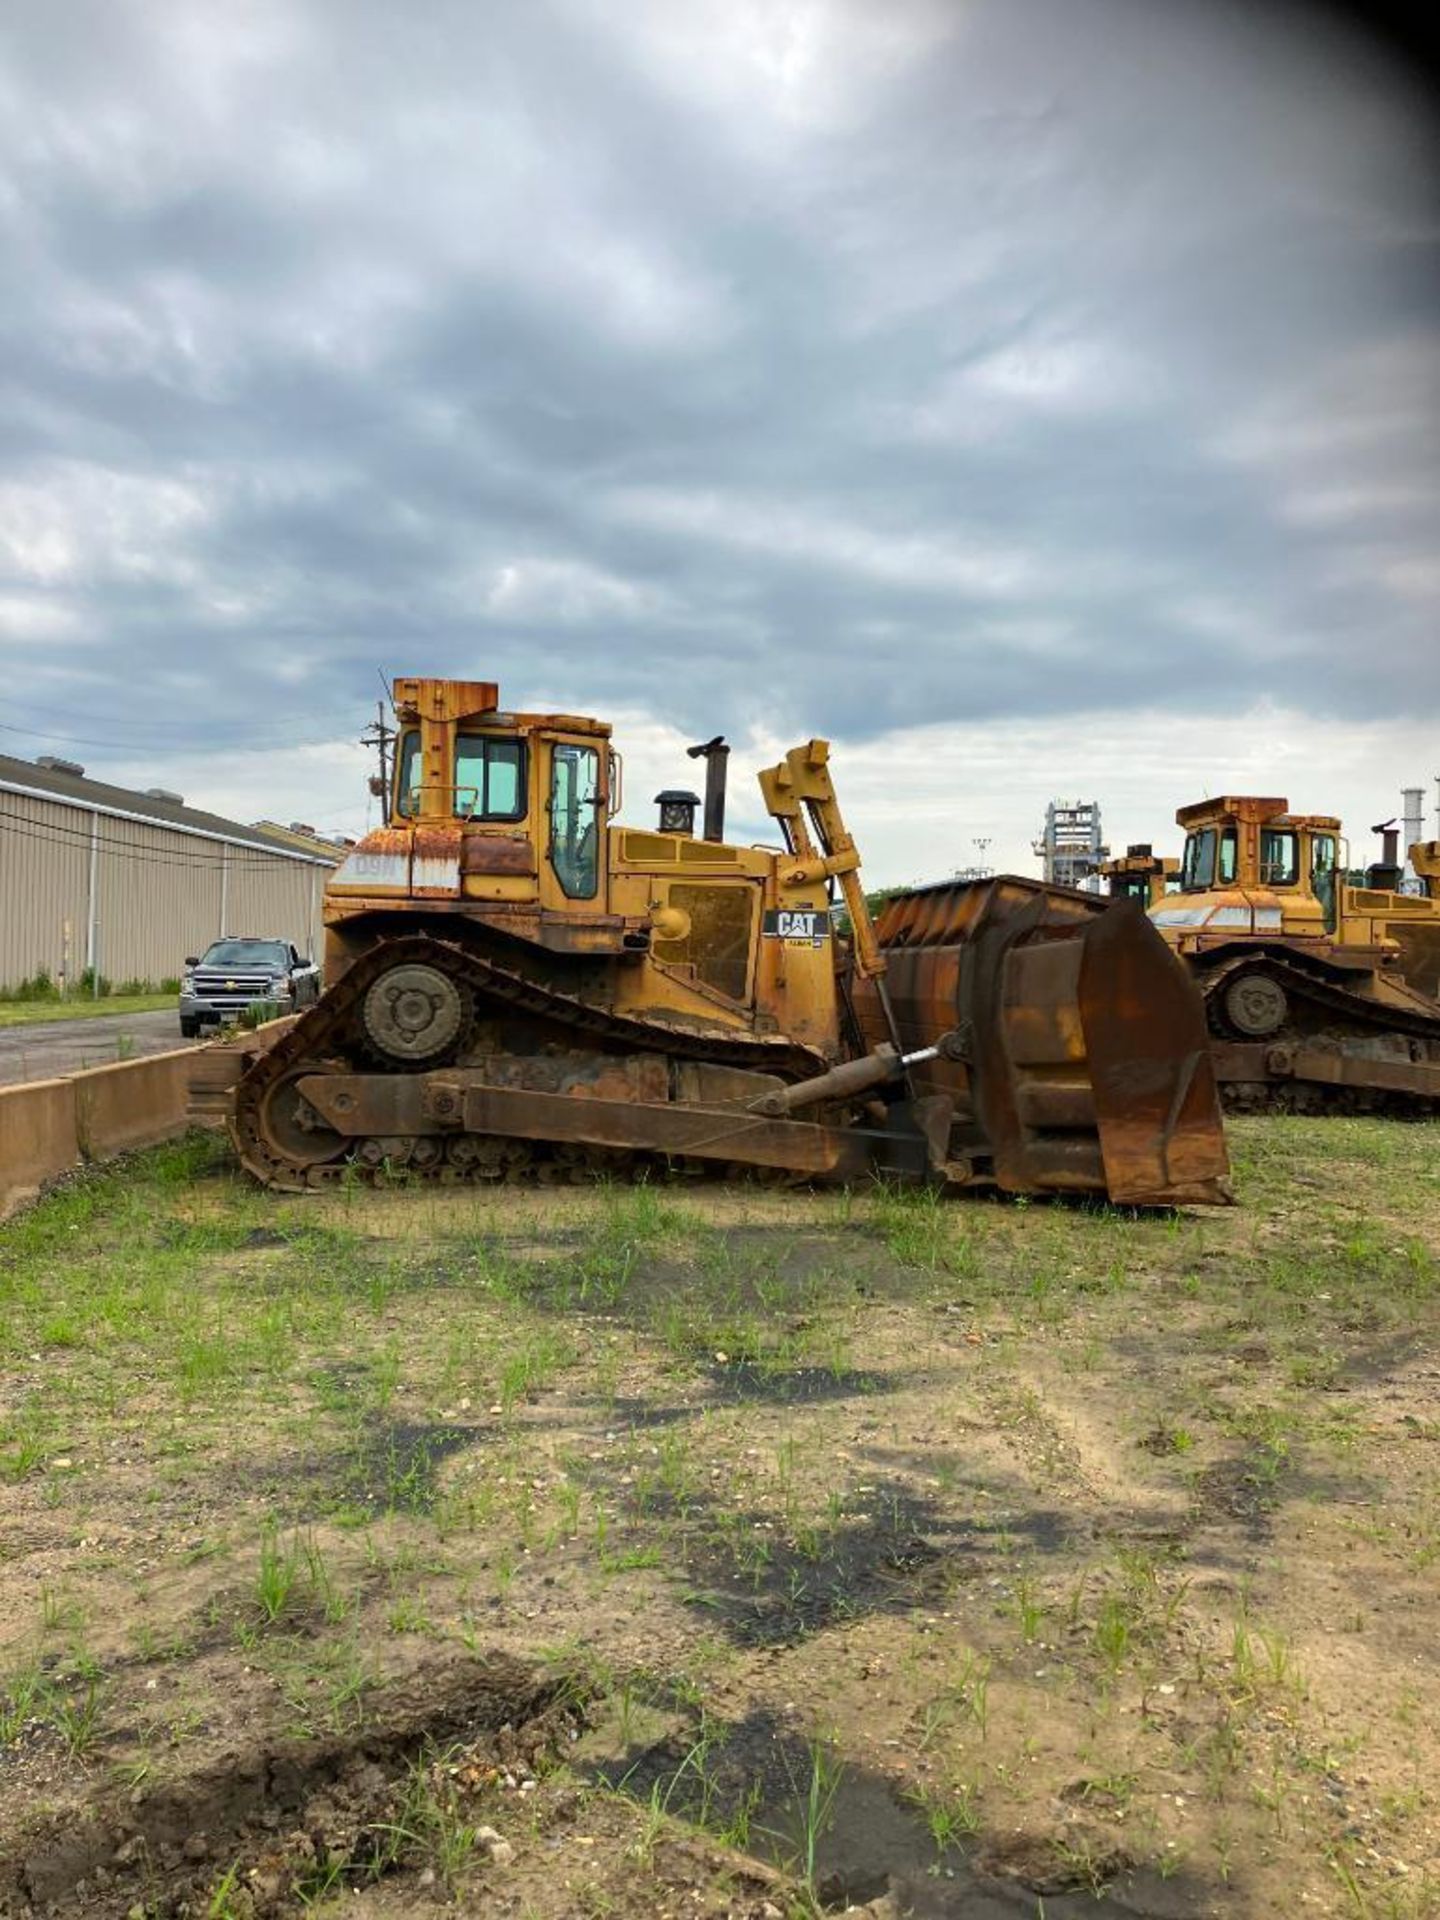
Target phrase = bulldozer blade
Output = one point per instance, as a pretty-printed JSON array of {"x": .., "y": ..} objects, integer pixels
[
  {"x": 1085, "y": 1065},
  {"x": 1156, "y": 1101}
]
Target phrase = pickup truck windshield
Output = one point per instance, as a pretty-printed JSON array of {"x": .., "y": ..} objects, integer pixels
[{"x": 247, "y": 953}]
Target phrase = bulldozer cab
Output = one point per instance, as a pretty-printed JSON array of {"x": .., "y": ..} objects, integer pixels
[
  {"x": 1256, "y": 844},
  {"x": 1140, "y": 874},
  {"x": 1251, "y": 866},
  {"x": 501, "y": 822},
  {"x": 519, "y": 798}
]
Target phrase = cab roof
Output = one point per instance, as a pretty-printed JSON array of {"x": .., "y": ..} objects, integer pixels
[
  {"x": 1251, "y": 810},
  {"x": 419, "y": 698}
]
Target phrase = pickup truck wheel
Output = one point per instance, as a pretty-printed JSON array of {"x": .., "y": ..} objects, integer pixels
[{"x": 189, "y": 1029}]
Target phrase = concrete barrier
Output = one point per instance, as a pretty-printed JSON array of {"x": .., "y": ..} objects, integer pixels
[
  {"x": 49, "y": 1127},
  {"x": 132, "y": 1104},
  {"x": 38, "y": 1139}
]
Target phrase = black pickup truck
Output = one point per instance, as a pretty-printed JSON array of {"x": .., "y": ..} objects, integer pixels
[{"x": 235, "y": 973}]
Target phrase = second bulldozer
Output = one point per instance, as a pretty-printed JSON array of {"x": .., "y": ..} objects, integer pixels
[
  {"x": 1140, "y": 874},
  {"x": 519, "y": 985},
  {"x": 1320, "y": 988}
]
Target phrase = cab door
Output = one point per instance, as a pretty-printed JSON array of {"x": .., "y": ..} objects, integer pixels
[{"x": 575, "y": 875}]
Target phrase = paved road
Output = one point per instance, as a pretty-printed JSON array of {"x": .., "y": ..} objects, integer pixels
[{"x": 52, "y": 1047}]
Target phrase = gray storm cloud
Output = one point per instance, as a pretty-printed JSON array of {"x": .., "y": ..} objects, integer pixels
[{"x": 809, "y": 366}]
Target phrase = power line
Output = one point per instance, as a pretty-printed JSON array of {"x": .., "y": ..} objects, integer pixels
[
  {"x": 140, "y": 858},
  {"x": 307, "y": 736},
  {"x": 198, "y": 868},
  {"x": 238, "y": 854}
]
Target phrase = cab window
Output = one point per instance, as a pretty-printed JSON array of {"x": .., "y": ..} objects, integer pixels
[
  {"x": 489, "y": 782},
  {"x": 407, "y": 780},
  {"x": 1279, "y": 857},
  {"x": 574, "y": 820},
  {"x": 1229, "y": 841},
  {"x": 489, "y": 777},
  {"x": 1199, "y": 869},
  {"x": 1323, "y": 853}
]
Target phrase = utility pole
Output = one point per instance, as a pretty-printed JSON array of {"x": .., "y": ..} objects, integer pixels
[{"x": 380, "y": 736}]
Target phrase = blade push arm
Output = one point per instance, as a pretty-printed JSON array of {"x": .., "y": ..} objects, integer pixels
[{"x": 800, "y": 794}]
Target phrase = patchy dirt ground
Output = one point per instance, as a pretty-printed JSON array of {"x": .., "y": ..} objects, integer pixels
[{"x": 695, "y": 1551}]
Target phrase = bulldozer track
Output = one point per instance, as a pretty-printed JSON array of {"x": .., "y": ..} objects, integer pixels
[
  {"x": 1353, "y": 1016},
  {"x": 330, "y": 1037},
  {"x": 1303, "y": 985}
]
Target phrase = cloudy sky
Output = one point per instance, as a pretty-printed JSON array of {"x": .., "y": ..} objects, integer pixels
[{"x": 1038, "y": 397}]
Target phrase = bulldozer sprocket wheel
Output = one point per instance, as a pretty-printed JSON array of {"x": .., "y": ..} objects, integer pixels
[
  {"x": 415, "y": 1015},
  {"x": 1255, "y": 1005}
]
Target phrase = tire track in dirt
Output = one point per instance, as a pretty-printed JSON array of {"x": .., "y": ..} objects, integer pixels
[{"x": 284, "y": 1810}]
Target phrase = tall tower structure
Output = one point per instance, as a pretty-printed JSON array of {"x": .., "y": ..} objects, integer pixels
[
  {"x": 1412, "y": 813},
  {"x": 1072, "y": 845}
]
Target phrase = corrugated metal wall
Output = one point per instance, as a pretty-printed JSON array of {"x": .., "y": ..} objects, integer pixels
[{"x": 160, "y": 894}]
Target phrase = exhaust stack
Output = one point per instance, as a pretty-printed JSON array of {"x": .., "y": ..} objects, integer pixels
[
  {"x": 1384, "y": 873},
  {"x": 716, "y": 756}
]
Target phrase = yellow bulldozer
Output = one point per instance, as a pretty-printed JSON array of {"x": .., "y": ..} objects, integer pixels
[
  {"x": 519, "y": 985},
  {"x": 1140, "y": 874},
  {"x": 1321, "y": 985}
]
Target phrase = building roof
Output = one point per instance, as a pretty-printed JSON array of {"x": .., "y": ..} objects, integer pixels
[
  {"x": 161, "y": 811},
  {"x": 306, "y": 839}
]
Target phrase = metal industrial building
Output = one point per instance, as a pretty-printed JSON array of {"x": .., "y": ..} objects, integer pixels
[{"x": 129, "y": 884}]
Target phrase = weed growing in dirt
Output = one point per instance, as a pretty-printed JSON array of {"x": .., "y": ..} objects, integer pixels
[
  {"x": 816, "y": 1808},
  {"x": 951, "y": 1812},
  {"x": 292, "y": 1573},
  {"x": 921, "y": 1231},
  {"x": 67, "y": 1698}
]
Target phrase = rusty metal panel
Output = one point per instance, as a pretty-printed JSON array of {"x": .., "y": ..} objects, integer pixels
[
  {"x": 429, "y": 699},
  {"x": 1040, "y": 1003},
  {"x": 946, "y": 914},
  {"x": 380, "y": 864},
  {"x": 505, "y": 853},
  {"x": 1058, "y": 1103},
  {"x": 707, "y": 1083},
  {"x": 1419, "y": 951},
  {"x": 434, "y": 861}
]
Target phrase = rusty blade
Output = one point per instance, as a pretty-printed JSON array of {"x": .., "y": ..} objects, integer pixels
[
  {"x": 1150, "y": 1068},
  {"x": 1086, "y": 1068}
]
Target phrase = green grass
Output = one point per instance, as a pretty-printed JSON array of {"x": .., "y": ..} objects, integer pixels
[{"x": 30, "y": 1013}]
